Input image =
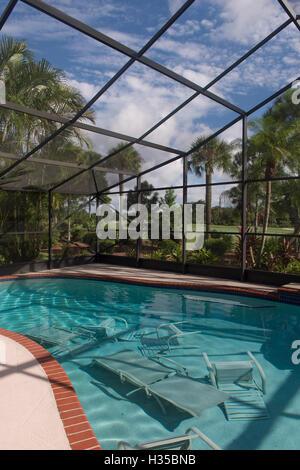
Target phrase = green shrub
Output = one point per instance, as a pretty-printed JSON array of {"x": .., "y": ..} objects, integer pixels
[
  {"x": 168, "y": 245},
  {"x": 293, "y": 267},
  {"x": 90, "y": 238},
  {"x": 2, "y": 259},
  {"x": 131, "y": 252},
  {"x": 218, "y": 246},
  {"x": 156, "y": 254},
  {"x": 171, "y": 250},
  {"x": 107, "y": 246},
  {"x": 203, "y": 256}
]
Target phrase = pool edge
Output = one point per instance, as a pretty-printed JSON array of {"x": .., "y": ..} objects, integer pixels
[
  {"x": 283, "y": 294},
  {"x": 76, "y": 425}
]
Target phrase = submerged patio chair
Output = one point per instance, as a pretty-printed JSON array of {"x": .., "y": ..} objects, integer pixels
[
  {"x": 65, "y": 340},
  {"x": 50, "y": 335},
  {"x": 236, "y": 378},
  {"x": 183, "y": 442},
  {"x": 164, "y": 337},
  {"x": 234, "y": 303},
  {"x": 106, "y": 328},
  {"x": 162, "y": 382}
]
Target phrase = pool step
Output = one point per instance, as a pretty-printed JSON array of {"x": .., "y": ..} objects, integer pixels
[{"x": 244, "y": 404}]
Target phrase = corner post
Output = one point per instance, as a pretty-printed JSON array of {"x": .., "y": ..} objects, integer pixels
[
  {"x": 139, "y": 240},
  {"x": 184, "y": 201},
  {"x": 50, "y": 215},
  {"x": 244, "y": 198}
]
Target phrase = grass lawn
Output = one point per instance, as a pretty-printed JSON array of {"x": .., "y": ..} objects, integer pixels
[{"x": 234, "y": 229}]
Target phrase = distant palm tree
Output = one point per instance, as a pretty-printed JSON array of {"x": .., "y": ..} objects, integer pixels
[
  {"x": 128, "y": 159},
  {"x": 216, "y": 154},
  {"x": 273, "y": 145}
]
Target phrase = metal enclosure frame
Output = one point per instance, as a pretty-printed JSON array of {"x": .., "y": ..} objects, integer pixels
[{"x": 139, "y": 57}]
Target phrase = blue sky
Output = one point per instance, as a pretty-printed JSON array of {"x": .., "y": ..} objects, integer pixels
[{"x": 210, "y": 36}]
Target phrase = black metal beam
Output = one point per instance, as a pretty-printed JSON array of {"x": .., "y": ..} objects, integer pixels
[
  {"x": 213, "y": 82},
  {"x": 139, "y": 240},
  {"x": 198, "y": 93},
  {"x": 64, "y": 164},
  {"x": 50, "y": 197},
  {"x": 184, "y": 201},
  {"x": 202, "y": 185},
  {"x": 8, "y": 10},
  {"x": 95, "y": 181},
  {"x": 250, "y": 52},
  {"x": 80, "y": 125},
  {"x": 271, "y": 98},
  {"x": 244, "y": 198},
  {"x": 195, "y": 95},
  {"x": 174, "y": 159},
  {"x": 104, "y": 88},
  {"x": 91, "y": 199},
  {"x": 290, "y": 12},
  {"x": 136, "y": 56},
  {"x": 213, "y": 136}
]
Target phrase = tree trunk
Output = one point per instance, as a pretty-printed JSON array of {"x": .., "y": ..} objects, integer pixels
[
  {"x": 208, "y": 198},
  {"x": 256, "y": 218},
  {"x": 296, "y": 230},
  {"x": 69, "y": 219},
  {"x": 266, "y": 215},
  {"x": 5, "y": 130},
  {"x": 121, "y": 177}
]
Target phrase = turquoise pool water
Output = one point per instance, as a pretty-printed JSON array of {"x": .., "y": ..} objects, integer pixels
[{"x": 230, "y": 325}]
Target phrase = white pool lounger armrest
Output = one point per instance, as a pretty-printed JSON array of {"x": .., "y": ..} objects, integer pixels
[
  {"x": 261, "y": 373},
  {"x": 191, "y": 433}
]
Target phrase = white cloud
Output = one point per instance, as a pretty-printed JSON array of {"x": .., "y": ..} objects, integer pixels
[
  {"x": 86, "y": 89},
  {"x": 196, "y": 49},
  {"x": 207, "y": 23},
  {"x": 174, "y": 5},
  {"x": 246, "y": 22},
  {"x": 188, "y": 28},
  {"x": 295, "y": 4}
]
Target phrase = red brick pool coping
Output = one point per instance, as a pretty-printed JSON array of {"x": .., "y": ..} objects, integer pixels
[
  {"x": 75, "y": 422},
  {"x": 163, "y": 283}
]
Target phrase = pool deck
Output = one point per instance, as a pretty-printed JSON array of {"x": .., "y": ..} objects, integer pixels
[
  {"x": 29, "y": 415},
  {"x": 39, "y": 408},
  {"x": 168, "y": 279}
]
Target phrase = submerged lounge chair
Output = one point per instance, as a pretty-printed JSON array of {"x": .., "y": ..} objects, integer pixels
[
  {"x": 162, "y": 382},
  {"x": 165, "y": 337},
  {"x": 107, "y": 327},
  {"x": 69, "y": 340},
  {"x": 237, "y": 379},
  {"x": 51, "y": 335},
  {"x": 233, "y": 303},
  {"x": 63, "y": 339},
  {"x": 183, "y": 442}
]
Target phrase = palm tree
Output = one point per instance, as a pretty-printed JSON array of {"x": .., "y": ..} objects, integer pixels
[
  {"x": 216, "y": 154},
  {"x": 272, "y": 146},
  {"x": 289, "y": 115},
  {"x": 38, "y": 85},
  {"x": 128, "y": 159}
]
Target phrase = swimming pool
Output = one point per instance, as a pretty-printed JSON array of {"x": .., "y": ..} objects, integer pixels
[{"x": 230, "y": 325}]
